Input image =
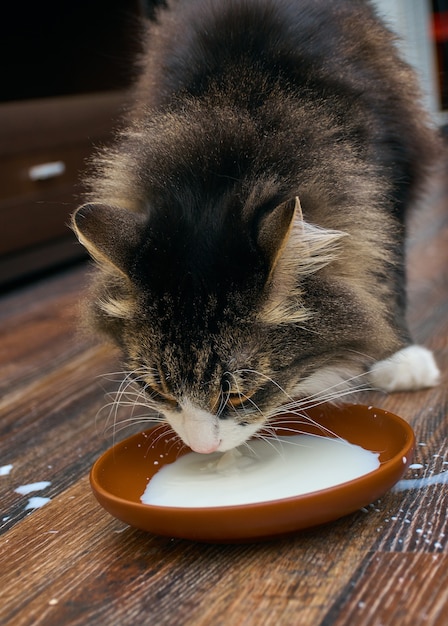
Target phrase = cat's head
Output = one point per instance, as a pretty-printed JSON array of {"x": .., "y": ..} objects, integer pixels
[{"x": 221, "y": 319}]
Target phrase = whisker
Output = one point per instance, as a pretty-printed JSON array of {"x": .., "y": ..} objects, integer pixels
[
  {"x": 246, "y": 398},
  {"x": 246, "y": 444},
  {"x": 266, "y": 377},
  {"x": 313, "y": 402},
  {"x": 174, "y": 438},
  {"x": 224, "y": 398},
  {"x": 342, "y": 383},
  {"x": 313, "y": 422},
  {"x": 127, "y": 396},
  {"x": 326, "y": 432},
  {"x": 122, "y": 425},
  {"x": 330, "y": 394},
  {"x": 271, "y": 441}
]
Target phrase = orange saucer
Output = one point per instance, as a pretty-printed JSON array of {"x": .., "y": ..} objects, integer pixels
[{"x": 119, "y": 478}]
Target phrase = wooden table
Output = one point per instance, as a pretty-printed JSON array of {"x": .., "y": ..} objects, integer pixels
[{"x": 68, "y": 562}]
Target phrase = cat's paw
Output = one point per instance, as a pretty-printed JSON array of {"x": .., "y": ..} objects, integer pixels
[{"x": 411, "y": 368}]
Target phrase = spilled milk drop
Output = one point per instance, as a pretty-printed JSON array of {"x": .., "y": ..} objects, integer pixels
[
  {"x": 5, "y": 470},
  {"x": 26, "y": 489},
  {"x": 36, "y": 502}
]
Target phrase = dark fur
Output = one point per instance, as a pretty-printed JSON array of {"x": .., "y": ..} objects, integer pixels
[{"x": 242, "y": 106}]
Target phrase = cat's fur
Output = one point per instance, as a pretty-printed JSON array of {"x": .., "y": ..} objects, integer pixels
[{"x": 249, "y": 222}]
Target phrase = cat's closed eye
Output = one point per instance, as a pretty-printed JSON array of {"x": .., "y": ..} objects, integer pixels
[
  {"x": 238, "y": 399},
  {"x": 156, "y": 393}
]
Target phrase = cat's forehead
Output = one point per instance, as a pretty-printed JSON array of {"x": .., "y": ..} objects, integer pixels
[
  {"x": 194, "y": 360},
  {"x": 200, "y": 327},
  {"x": 189, "y": 322},
  {"x": 203, "y": 278}
]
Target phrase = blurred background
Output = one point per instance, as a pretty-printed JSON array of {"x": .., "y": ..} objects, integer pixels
[
  {"x": 422, "y": 26},
  {"x": 66, "y": 69}
]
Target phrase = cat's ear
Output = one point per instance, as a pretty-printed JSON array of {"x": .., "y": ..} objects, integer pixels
[
  {"x": 109, "y": 233},
  {"x": 284, "y": 235},
  {"x": 274, "y": 227},
  {"x": 304, "y": 249}
]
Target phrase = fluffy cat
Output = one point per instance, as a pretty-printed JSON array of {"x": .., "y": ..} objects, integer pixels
[{"x": 249, "y": 222}]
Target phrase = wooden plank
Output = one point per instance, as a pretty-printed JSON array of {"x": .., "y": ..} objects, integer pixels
[
  {"x": 70, "y": 563},
  {"x": 395, "y": 588},
  {"x": 182, "y": 581}
]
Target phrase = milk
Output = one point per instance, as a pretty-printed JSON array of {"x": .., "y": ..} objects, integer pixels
[{"x": 266, "y": 469}]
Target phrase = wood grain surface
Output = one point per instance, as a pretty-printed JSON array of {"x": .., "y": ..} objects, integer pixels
[{"x": 69, "y": 562}]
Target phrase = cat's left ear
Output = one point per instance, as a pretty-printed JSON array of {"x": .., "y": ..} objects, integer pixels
[
  {"x": 109, "y": 233},
  {"x": 274, "y": 227}
]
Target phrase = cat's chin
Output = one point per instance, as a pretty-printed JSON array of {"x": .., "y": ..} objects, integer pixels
[{"x": 205, "y": 433}]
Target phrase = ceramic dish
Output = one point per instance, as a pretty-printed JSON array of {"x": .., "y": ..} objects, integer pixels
[{"x": 119, "y": 478}]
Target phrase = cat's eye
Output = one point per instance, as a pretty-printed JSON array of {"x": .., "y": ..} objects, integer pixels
[
  {"x": 162, "y": 396},
  {"x": 156, "y": 393},
  {"x": 237, "y": 399}
]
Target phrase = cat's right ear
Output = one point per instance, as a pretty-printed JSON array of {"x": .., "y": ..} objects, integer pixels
[{"x": 110, "y": 234}]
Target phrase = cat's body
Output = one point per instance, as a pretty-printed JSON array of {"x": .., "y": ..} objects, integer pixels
[{"x": 249, "y": 222}]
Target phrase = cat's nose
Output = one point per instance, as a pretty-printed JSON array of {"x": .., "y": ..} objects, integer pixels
[
  {"x": 199, "y": 429},
  {"x": 205, "y": 449}
]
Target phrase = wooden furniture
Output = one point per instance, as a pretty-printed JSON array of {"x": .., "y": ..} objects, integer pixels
[
  {"x": 70, "y": 563},
  {"x": 66, "y": 67},
  {"x": 44, "y": 147}
]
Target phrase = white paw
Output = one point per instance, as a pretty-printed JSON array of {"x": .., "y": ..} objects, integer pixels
[{"x": 411, "y": 368}]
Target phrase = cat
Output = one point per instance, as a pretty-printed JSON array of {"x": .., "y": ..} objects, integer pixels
[{"x": 249, "y": 222}]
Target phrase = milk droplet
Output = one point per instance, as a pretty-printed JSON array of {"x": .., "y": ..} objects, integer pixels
[
  {"x": 36, "y": 502},
  {"x": 26, "y": 489}
]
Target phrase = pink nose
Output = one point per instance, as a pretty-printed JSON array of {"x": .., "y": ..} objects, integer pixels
[{"x": 205, "y": 449}]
